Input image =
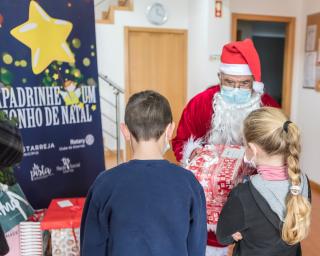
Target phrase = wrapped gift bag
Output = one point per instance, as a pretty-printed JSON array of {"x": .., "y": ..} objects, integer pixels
[
  {"x": 13, "y": 240},
  {"x": 218, "y": 168},
  {"x": 63, "y": 219},
  {"x": 14, "y": 207}
]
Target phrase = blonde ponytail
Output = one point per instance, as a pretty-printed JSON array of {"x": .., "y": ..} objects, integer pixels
[
  {"x": 270, "y": 129},
  {"x": 297, "y": 221}
]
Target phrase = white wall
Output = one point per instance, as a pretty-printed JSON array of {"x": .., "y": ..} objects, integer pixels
[
  {"x": 308, "y": 102},
  {"x": 110, "y": 46},
  {"x": 266, "y": 7},
  {"x": 110, "y": 38},
  {"x": 198, "y": 43},
  {"x": 207, "y": 35},
  {"x": 291, "y": 8},
  {"x": 102, "y": 5},
  {"x": 305, "y": 103}
]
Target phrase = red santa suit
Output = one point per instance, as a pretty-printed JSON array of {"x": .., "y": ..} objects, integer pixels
[{"x": 197, "y": 120}]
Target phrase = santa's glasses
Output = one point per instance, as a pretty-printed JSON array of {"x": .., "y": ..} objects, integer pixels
[{"x": 243, "y": 84}]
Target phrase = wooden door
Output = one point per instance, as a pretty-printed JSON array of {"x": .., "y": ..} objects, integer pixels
[{"x": 156, "y": 59}]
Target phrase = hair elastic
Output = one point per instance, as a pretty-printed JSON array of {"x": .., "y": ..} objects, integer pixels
[
  {"x": 286, "y": 125},
  {"x": 295, "y": 190}
]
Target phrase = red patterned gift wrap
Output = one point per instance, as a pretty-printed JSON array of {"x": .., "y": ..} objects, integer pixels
[{"x": 218, "y": 168}]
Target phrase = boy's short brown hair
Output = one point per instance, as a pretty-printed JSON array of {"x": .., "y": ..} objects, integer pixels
[{"x": 147, "y": 115}]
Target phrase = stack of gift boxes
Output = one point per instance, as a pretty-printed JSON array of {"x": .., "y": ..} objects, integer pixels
[
  {"x": 23, "y": 231},
  {"x": 55, "y": 231},
  {"x": 63, "y": 219}
]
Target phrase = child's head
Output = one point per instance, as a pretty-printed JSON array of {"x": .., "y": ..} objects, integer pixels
[
  {"x": 265, "y": 131},
  {"x": 269, "y": 134},
  {"x": 148, "y": 117}
]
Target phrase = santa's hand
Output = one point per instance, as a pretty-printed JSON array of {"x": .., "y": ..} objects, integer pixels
[{"x": 237, "y": 236}]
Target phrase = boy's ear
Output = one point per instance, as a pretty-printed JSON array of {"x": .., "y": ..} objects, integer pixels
[
  {"x": 170, "y": 130},
  {"x": 125, "y": 131}
]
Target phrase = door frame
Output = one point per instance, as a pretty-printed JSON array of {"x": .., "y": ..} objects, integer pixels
[
  {"x": 127, "y": 30},
  {"x": 288, "y": 50}
]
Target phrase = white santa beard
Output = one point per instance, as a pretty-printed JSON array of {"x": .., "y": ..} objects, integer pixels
[{"x": 227, "y": 120}]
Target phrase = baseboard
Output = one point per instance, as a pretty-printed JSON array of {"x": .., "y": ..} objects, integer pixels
[{"x": 315, "y": 186}]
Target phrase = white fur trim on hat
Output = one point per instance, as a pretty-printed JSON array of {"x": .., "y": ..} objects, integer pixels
[
  {"x": 258, "y": 87},
  {"x": 216, "y": 251},
  {"x": 235, "y": 69},
  {"x": 191, "y": 145}
]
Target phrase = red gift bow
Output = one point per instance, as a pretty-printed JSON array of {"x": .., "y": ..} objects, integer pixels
[{"x": 37, "y": 215}]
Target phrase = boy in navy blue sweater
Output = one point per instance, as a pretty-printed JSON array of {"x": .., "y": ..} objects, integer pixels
[{"x": 147, "y": 206}]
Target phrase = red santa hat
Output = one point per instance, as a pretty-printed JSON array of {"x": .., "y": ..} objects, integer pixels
[{"x": 241, "y": 58}]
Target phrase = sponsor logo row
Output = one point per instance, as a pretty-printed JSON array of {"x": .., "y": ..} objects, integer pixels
[
  {"x": 41, "y": 172},
  {"x": 74, "y": 143}
]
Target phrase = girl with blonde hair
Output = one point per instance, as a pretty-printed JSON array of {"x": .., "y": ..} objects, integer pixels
[{"x": 270, "y": 214}]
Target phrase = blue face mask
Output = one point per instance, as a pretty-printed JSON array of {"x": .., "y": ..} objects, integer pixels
[{"x": 235, "y": 95}]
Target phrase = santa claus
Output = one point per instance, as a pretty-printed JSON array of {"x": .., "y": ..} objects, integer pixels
[{"x": 215, "y": 115}]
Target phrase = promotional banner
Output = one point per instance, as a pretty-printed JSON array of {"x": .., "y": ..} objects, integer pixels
[{"x": 48, "y": 82}]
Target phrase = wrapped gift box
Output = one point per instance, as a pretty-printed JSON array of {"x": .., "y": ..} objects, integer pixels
[
  {"x": 33, "y": 241},
  {"x": 65, "y": 241},
  {"x": 14, "y": 207},
  {"x": 63, "y": 219},
  {"x": 218, "y": 168}
]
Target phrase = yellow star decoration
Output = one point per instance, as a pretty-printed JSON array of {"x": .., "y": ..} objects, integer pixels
[
  {"x": 46, "y": 37},
  {"x": 55, "y": 76}
]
